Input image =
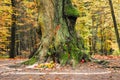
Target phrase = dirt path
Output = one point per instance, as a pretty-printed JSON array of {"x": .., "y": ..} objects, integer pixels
[{"x": 85, "y": 71}]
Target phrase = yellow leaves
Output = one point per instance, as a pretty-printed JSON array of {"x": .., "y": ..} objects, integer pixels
[
  {"x": 5, "y": 22},
  {"x": 20, "y": 24},
  {"x": 6, "y": 9},
  {"x": 7, "y": 1},
  {"x": 5, "y": 13},
  {"x": 46, "y": 65},
  {"x": 2, "y": 46},
  {"x": 26, "y": 14}
]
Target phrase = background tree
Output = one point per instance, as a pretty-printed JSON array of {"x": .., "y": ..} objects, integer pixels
[
  {"x": 27, "y": 28},
  {"x": 96, "y": 27},
  {"x": 115, "y": 23},
  {"x": 25, "y": 35},
  {"x": 13, "y": 30}
]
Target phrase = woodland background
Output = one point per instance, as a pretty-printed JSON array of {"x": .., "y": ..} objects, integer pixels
[{"x": 94, "y": 26}]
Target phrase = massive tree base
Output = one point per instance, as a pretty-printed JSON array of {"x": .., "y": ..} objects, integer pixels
[
  {"x": 63, "y": 59},
  {"x": 59, "y": 41}
]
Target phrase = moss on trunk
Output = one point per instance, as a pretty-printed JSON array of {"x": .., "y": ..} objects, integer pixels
[{"x": 59, "y": 41}]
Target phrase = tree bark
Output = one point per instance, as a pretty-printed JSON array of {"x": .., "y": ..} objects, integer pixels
[{"x": 57, "y": 23}]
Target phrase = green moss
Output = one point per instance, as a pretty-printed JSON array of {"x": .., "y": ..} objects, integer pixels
[
  {"x": 71, "y": 11},
  {"x": 72, "y": 54},
  {"x": 30, "y": 61}
]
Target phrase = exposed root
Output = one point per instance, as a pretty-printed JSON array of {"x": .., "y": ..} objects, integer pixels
[
  {"x": 31, "y": 61},
  {"x": 101, "y": 62}
]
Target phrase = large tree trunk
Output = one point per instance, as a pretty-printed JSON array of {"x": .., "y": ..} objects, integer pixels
[{"x": 57, "y": 23}]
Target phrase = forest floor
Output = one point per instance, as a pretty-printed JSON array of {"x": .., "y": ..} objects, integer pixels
[{"x": 84, "y": 71}]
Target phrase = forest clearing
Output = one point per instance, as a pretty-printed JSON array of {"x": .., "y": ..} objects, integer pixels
[
  {"x": 59, "y": 39},
  {"x": 84, "y": 71}
]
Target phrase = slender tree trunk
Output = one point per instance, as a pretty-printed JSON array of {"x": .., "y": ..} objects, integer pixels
[
  {"x": 95, "y": 40},
  {"x": 13, "y": 30},
  {"x": 94, "y": 35},
  {"x": 115, "y": 23},
  {"x": 102, "y": 35}
]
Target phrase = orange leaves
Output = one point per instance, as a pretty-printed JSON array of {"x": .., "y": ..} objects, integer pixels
[
  {"x": 57, "y": 78},
  {"x": 57, "y": 28},
  {"x": 109, "y": 57},
  {"x": 5, "y": 22},
  {"x": 29, "y": 4}
]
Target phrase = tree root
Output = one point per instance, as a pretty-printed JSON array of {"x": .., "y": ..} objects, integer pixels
[
  {"x": 111, "y": 66},
  {"x": 101, "y": 62},
  {"x": 31, "y": 61}
]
